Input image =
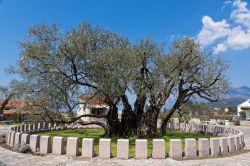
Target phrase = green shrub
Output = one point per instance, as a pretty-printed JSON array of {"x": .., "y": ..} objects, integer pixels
[
  {"x": 236, "y": 121},
  {"x": 221, "y": 122}
]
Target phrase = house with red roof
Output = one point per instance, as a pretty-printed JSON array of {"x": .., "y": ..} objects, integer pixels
[
  {"x": 92, "y": 105},
  {"x": 14, "y": 106}
]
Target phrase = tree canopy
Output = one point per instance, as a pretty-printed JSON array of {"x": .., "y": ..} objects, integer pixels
[{"x": 57, "y": 67}]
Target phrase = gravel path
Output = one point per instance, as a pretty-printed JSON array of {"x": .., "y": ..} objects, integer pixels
[{"x": 9, "y": 158}]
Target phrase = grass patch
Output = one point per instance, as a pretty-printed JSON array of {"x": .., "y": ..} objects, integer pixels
[{"x": 99, "y": 133}]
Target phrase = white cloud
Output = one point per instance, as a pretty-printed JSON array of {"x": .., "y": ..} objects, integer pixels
[
  {"x": 220, "y": 48},
  {"x": 239, "y": 39},
  {"x": 233, "y": 33},
  {"x": 212, "y": 30},
  {"x": 225, "y": 4},
  {"x": 241, "y": 14}
]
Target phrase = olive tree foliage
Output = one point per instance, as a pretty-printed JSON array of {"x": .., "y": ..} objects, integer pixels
[
  {"x": 57, "y": 67},
  {"x": 195, "y": 74}
]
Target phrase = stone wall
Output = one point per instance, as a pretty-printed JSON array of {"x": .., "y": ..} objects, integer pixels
[{"x": 229, "y": 140}]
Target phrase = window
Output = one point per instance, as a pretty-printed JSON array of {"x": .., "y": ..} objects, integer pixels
[{"x": 98, "y": 111}]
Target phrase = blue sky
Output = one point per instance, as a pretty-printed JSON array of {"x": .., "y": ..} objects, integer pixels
[{"x": 213, "y": 22}]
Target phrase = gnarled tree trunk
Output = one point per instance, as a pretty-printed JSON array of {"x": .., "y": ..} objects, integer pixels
[
  {"x": 113, "y": 123},
  {"x": 147, "y": 126}
]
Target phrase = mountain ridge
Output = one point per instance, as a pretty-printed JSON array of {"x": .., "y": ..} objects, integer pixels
[{"x": 234, "y": 96}]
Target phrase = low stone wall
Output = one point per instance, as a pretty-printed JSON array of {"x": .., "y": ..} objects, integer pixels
[{"x": 229, "y": 141}]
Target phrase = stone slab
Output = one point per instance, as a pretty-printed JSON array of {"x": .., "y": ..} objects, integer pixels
[
  {"x": 141, "y": 149},
  {"x": 175, "y": 151},
  {"x": 237, "y": 142},
  {"x": 159, "y": 149},
  {"x": 190, "y": 148},
  {"x": 223, "y": 141},
  {"x": 45, "y": 145},
  {"x": 58, "y": 146},
  {"x": 25, "y": 139},
  {"x": 17, "y": 139},
  {"x": 105, "y": 148},
  {"x": 12, "y": 139},
  {"x": 214, "y": 146},
  {"x": 88, "y": 147},
  {"x": 72, "y": 146},
  {"x": 203, "y": 146},
  {"x": 34, "y": 142},
  {"x": 231, "y": 144},
  {"x": 123, "y": 148}
]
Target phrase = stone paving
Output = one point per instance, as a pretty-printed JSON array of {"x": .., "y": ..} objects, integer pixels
[{"x": 9, "y": 158}]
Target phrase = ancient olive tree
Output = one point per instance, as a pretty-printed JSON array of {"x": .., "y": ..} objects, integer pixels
[{"x": 58, "y": 67}]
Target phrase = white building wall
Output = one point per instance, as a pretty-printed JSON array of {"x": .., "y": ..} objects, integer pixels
[
  {"x": 238, "y": 110},
  {"x": 82, "y": 110},
  {"x": 248, "y": 115},
  {"x": 246, "y": 106}
]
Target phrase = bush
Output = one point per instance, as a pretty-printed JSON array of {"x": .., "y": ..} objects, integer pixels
[
  {"x": 21, "y": 148},
  {"x": 236, "y": 121},
  {"x": 221, "y": 122}
]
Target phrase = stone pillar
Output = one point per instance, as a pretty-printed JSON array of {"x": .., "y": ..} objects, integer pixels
[
  {"x": 214, "y": 146},
  {"x": 35, "y": 126},
  {"x": 203, "y": 144},
  {"x": 17, "y": 139},
  {"x": 241, "y": 144},
  {"x": 175, "y": 151},
  {"x": 30, "y": 127},
  {"x": 141, "y": 149},
  {"x": 54, "y": 126},
  {"x": 72, "y": 146},
  {"x": 40, "y": 126},
  {"x": 237, "y": 142},
  {"x": 190, "y": 148},
  {"x": 18, "y": 128},
  {"x": 223, "y": 145},
  {"x": 58, "y": 146},
  {"x": 159, "y": 149},
  {"x": 8, "y": 137},
  {"x": 243, "y": 139},
  {"x": 45, "y": 144},
  {"x": 45, "y": 125},
  {"x": 34, "y": 142},
  {"x": 231, "y": 144},
  {"x": 123, "y": 148},
  {"x": 88, "y": 147},
  {"x": 12, "y": 139},
  {"x": 26, "y": 127},
  {"x": 22, "y": 128},
  {"x": 49, "y": 126},
  {"x": 104, "y": 148},
  {"x": 25, "y": 139}
]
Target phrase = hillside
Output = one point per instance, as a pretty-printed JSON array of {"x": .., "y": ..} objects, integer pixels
[{"x": 234, "y": 97}]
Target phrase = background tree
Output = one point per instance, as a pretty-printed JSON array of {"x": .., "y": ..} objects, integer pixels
[{"x": 56, "y": 68}]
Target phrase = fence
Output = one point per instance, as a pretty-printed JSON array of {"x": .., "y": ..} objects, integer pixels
[{"x": 230, "y": 140}]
